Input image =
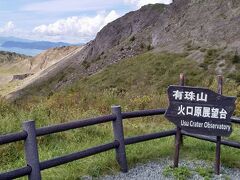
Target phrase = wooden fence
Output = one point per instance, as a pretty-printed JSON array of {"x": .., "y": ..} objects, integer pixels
[{"x": 29, "y": 135}]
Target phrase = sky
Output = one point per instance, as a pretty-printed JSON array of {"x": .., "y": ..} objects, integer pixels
[{"x": 73, "y": 21}]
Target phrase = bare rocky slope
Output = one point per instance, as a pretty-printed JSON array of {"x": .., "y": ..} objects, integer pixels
[
  {"x": 16, "y": 71},
  {"x": 184, "y": 25}
]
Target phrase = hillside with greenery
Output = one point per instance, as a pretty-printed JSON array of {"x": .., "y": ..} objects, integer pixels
[{"x": 136, "y": 83}]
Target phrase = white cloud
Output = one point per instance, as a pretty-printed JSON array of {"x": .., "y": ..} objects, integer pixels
[
  {"x": 8, "y": 27},
  {"x": 140, "y": 3},
  {"x": 75, "y": 26},
  {"x": 71, "y": 28}
]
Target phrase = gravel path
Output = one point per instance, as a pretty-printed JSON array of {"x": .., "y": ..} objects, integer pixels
[{"x": 154, "y": 170}]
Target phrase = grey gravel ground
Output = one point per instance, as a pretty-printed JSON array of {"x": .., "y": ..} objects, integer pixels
[{"x": 154, "y": 170}]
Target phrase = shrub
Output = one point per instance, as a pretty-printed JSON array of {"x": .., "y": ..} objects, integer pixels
[
  {"x": 132, "y": 38},
  {"x": 236, "y": 59},
  {"x": 209, "y": 58},
  {"x": 203, "y": 50},
  {"x": 86, "y": 64},
  {"x": 149, "y": 47},
  {"x": 204, "y": 66}
]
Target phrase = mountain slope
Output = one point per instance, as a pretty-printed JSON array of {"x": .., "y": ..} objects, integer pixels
[
  {"x": 12, "y": 63},
  {"x": 15, "y": 74},
  {"x": 189, "y": 26},
  {"x": 8, "y": 57}
]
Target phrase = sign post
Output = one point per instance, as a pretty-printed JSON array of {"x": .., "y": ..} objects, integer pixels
[
  {"x": 178, "y": 137},
  {"x": 200, "y": 111},
  {"x": 218, "y": 144}
]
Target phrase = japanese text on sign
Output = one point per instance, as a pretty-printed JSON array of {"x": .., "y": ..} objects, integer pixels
[
  {"x": 190, "y": 95},
  {"x": 205, "y": 112}
]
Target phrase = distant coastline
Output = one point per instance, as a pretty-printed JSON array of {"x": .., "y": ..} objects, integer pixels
[
  {"x": 29, "y": 52},
  {"x": 28, "y": 47}
]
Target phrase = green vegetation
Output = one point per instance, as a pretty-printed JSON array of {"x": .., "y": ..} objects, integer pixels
[
  {"x": 157, "y": 7},
  {"x": 180, "y": 173},
  {"x": 210, "y": 58},
  {"x": 211, "y": 55},
  {"x": 189, "y": 46},
  {"x": 183, "y": 173},
  {"x": 136, "y": 83},
  {"x": 142, "y": 45},
  {"x": 226, "y": 62},
  {"x": 86, "y": 64},
  {"x": 203, "y": 49},
  {"x": 235, "y": 58},
  {"x": 235, "y": 76},
  {"x": 206, "y": 173}
]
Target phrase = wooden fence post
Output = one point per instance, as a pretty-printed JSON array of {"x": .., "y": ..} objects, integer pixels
[
  {"x": 31, "y": 150},
  {"x": 119, "y": 136},
  {"x": 218, "y": 144}
]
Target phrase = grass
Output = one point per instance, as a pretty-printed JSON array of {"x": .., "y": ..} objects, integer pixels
[
  {"x": 180, "y": 173},
  {"x": 136, "y": 83},
  {"x": 5, "y": 89},
  {"x": 183, "y": 173},
  {"x": 206, "y": 173},
  {"x": 210, "y": 58},
  {"x": 158, "y": 7}
]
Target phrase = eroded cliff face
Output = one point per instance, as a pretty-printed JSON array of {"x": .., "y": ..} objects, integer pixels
[
  {"x": 133, "y": 25},
  {"x": 203, "y": 22},
  {"x": 50, "y": 57}
]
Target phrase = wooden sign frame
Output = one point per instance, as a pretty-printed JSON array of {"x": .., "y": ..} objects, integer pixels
[{"x": 200, "y": 111}]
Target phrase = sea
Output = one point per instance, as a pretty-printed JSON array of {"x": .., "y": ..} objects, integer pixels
[{"x": 28, "y": 52}]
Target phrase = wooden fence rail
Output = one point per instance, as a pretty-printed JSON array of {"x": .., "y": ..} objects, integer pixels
[{"x": 30, "y": 133}]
